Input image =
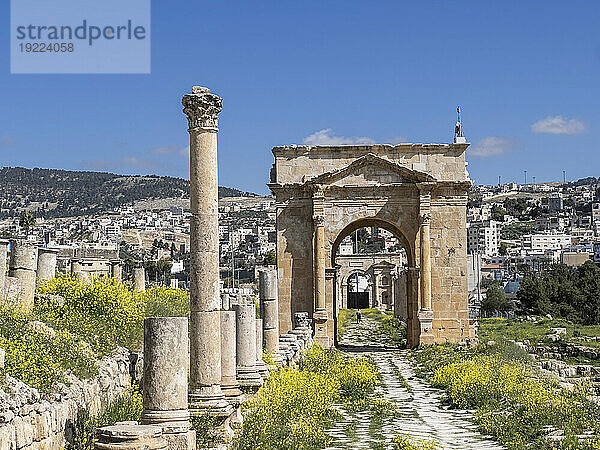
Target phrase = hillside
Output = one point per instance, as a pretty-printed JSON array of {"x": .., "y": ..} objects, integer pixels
[{"x": 63, "y": 193}]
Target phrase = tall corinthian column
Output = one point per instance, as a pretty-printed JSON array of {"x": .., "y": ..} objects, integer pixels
[{"x": 202, "y": 109}]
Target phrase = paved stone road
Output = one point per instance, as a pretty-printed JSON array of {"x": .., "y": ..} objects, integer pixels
[{"x": 419, "y": 412}]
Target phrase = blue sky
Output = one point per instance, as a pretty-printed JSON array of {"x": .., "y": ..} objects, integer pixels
[{"x": 525, "y": 74}]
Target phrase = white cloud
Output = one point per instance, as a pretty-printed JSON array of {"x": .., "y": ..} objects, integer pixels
[
  {"x": 326, "y": 137},
  {"x": 125, "y": 162},
  {"x": 558, "y": 125},
  {"x": 396, "y": 140},
  {"x": 493, "y": 146},
  {"x": 172, "y": 150}
]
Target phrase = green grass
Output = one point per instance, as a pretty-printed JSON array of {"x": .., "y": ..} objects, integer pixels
[
  {"x": 344, "y": 317},
  {"x": 389, "y": 326},
  {"x": 515, "y": 329}
]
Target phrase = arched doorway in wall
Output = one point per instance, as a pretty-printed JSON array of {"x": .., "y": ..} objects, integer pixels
[
  {"x": 371, "y": 265},
  {"x": 358, "y": 291}
]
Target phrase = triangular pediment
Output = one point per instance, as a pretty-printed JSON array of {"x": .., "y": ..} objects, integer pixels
[{"x": 371, "y": 170}]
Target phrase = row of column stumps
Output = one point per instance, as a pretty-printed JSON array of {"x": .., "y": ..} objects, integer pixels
[{"x": 29, "y": 264}]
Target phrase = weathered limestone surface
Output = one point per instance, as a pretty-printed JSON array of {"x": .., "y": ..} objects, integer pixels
[
  {"x": 202, "y": 110},
  {"x": 165, "y": 390},
  {"x": 392, "y": 187},
  {"x": 166, "y": 371},
  {"x": 260, "y": 363},
  {"x": 116, "y": 270},
  {"x": 225, "y": 302},
  {"x": 269, "y": 310},
  {"x": 46, "y": 263},
  {"x": 23, "y": 265},
  {"x": 29, "y": 423},
  {"x": 139, "y": 279},
  {"x": 229, "y": 383},
  {"x": 130, "y": 436},
  {"x": 247, "y": 373}
]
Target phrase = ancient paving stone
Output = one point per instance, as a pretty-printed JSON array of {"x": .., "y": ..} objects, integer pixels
[{"x": 420, "y": 413}]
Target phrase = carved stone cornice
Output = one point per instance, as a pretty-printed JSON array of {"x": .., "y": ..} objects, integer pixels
[{"x": 202, "y": 109}]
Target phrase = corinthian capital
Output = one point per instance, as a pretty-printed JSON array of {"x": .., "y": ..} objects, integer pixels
[
  {"x": 426, "y": 218},
  {"x": 319, "y": 220},
  {"x": 202, "y": 108}
]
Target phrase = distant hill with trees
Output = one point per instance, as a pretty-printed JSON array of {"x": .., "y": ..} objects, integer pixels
[{"x": 53, "y": 193}]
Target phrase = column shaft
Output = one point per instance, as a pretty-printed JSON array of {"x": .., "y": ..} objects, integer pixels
[
  {"x": 202, "y": 109},
  {"x": 166, "y": 373},
  {"x": 425, "y": 266},
  {"x": 269, "y": 310},
  {"x": 23, "y": 265},
  {"x": 320, "y": 267}
]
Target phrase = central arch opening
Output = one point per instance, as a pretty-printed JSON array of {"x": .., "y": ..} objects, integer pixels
[
  {"x": 358, "y": 291},
  {"x": 371, "y": 259}
]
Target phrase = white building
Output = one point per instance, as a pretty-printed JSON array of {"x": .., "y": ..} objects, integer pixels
[
  {"x": 543, "y": 242},
  {"x": 482, "y": 237}
]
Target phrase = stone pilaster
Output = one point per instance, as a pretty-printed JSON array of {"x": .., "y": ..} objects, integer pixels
[
  {"x": 116, "y": 270},
  {"x": 4, "y": 246},
  {"x": 269, "y": 310},
  {"x": 46, "y": 263},
  {"x": 202, "y": 110},
  {"x": 320, "y": 256},
  {"x": 247, "y": 373},
  {"x": 23, "y": 265},
  {"x": 376, "y": 282},
  {"x": 139, "y": 279},
  {"x": 165, "y": 389},
  {"x": 425, "y": 311}
]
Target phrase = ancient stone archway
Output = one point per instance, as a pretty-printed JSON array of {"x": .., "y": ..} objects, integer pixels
[{"x": 416, "y": 191}]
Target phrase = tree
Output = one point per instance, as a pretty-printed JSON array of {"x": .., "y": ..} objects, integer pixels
[
  {"x": 495, "y": 299},
  {"x": 498, "y": 213},
  {"x": 562, "y": 291},
  {"x": 270, "y": 258},
  {"x": 163, "y": 269},
  {"x": 27, "y": 221}
]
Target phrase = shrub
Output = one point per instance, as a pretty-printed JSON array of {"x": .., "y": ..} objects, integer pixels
[
  {"x": 402, "y": 442},
  {"x": 514, "y": 402},
  {"x": 127, "y": 407},
  {"x": 163, "y": 301},
  {"x": 294, "y": 407},
  {"x": 104, "y": 311},
  {"x": 40, "y": 356}
]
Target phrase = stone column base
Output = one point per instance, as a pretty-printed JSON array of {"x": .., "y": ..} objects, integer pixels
[
  {"x": 171, "y": 421},
  {"x": 249, "y": 378},
  {"x": 211, "y": 404},
  {"x": 426, "y": 336},
  {"x": 181, "y": 441},
  {"x": 321, "y": 336},
  {"x": 233, "y": 394}
]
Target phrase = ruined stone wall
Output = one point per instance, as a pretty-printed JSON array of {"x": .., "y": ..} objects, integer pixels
[{"x": 28, "y": 422}]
